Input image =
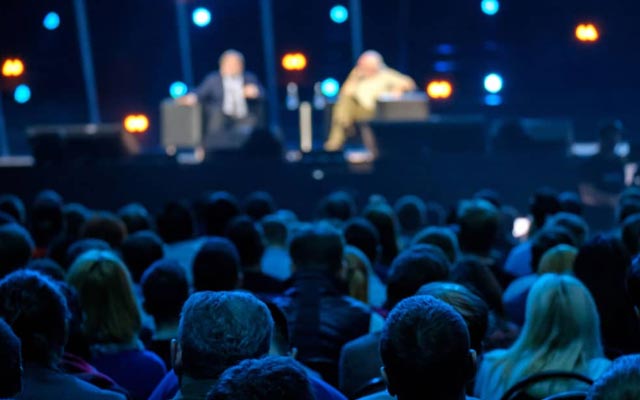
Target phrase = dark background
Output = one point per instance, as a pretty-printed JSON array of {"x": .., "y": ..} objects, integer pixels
[{"x": 136, "y": 54}]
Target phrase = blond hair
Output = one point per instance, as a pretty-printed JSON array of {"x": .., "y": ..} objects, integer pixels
[{"x": 558, "y": 260}]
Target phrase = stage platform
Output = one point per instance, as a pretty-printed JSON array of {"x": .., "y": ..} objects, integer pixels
[{"x": 153, "y": 180}]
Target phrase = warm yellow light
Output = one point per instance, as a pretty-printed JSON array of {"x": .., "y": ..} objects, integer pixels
[
  {"x": 440, "y": 89},
  {"x": 136, "y": 123},
  {"x": 12, "y": 68},
  {"x": 294, "y": 62},
  {"x": 587, "y": 33}
]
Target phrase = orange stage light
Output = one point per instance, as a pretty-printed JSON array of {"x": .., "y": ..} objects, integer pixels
[
  {"x": 12, "y": 68},
  {"x": 136, "y": 123},
  {"x": 440, "y": 89},
  {"x": 294, "y": 62},
  {"x": 587, "y": 33}
]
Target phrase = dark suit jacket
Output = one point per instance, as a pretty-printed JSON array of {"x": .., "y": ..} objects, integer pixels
[
  {"x": 43, "y": 384},
  {"x": 211, "y": 91},
  {"x": 360, "y": 362}
]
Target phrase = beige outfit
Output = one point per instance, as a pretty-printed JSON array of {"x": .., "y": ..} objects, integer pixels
[{"x": 357, "y": 101}]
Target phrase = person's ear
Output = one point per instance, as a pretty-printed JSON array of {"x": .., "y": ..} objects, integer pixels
[
  {"x": 176, "y": 357},
  {"x": 472, "y": 365},
  {"x": 385, "y": 378}
]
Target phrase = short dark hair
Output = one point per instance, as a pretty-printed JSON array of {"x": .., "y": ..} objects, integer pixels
[
  {"x": 281, "y": 338},
  {"x": 176, "y": 222},
  {"x": 136, "y": 218},
  {"x": 425, "y": 337},
  {"x": 217, "y": 210},
  {"x": 620, "y": 382},
  {"x": 476, "y": 275},
  {"x": 75, "y": 215},
  {"x": 80, "y": 247},
  {"x": 442, "y": 237},
  {"x": 47, "y": 219},
  {"x": 258, "y": 205},
  {"x": 317, "y": 247},
  {"x": 411, "y": 213},
  {"x": 248, "y": 238},
  {"x": 140, "y": 250},
  {"x": 105, "y": 226},
  {"x": 16, "y": 248},
  {"x": 570, "y": 202},
  {"x": 37, "y": 311},
  {"x": 360, "y": 233},
  {"x": 383, "y": 218},
  {"x": 472, "y": 308},
  {"x": 267, "y": 378},
  {"x": 414, "y": 267},
  {"x": 479, "y": 223},
  {"x": 275, "y": 230},
  {"x": 47, "y": 267},
  {"x": 546, "y": 239},
  {"x": 216, "y": 266},
  {"x": 489, "y": 195},
  {"x": 631, "y": 234},
  {"x": 165, "y": 289},
  {"x": 543, "y": 204},
  {"x": 14, "y": 206},
  {"x": 219, "y": 329},
  {"x": 337, "y": 206},
  {"x": 575, "y": 224},
  {"x": 10, "y": 362},
  {"x": 627, "y": 208}
]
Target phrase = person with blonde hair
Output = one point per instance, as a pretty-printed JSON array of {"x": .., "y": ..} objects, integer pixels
[
  {"x": 558, "y": 260},
  {"x": 113, "y": 321},
  {"x": 561, "y": 333}
]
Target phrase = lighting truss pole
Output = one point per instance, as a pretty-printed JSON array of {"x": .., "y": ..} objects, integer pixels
[
  {"x": 88, "y": 71},
  {"x": 270, "y": 63},
  {"x": 357, "y": 45}
]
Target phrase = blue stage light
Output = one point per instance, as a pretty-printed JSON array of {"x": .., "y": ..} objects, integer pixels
[
  {"x": 201, "y": 17},
  {"x": 444, "y": 66},
  {"x": 22, "y": 94},
  {"x": 178, "y": 89},
  {"x": 51, "y": 21},
  {"x": 490, "y": 7},
  {"x": 330, "y": 87},
  {"x": 493, "y": 100},
  {"x": 445, "y": 49},
  {"x": 339, "y": 14},
  {"x": 493, "y": 83}
]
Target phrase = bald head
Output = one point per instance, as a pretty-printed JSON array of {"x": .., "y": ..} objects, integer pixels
[
  {"x": 370, "y": 63},
  {"x": 231, "y": 63}
]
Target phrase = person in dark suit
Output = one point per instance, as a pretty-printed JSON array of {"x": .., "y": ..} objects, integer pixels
[{"x": 225, "y": 96}]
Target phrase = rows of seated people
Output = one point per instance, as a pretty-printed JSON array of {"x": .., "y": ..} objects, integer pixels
[{"x": 222, "y": 299}]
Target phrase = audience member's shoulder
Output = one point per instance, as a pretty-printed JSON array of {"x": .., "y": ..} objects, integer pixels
[
  {"x": 93, "y": 392},
  {"x": 384, "y": 395},
  {"x": 362, "y": 342}
]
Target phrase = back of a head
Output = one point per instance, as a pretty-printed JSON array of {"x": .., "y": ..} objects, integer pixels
[
  {"x": 10, "y": 362},
  {"x": 414, "y": 267},
  {"x": 105, "y": 226},
  {"x": 620, "y": 382},
  {"x": 275, "y": 230},
  {"x": 543, "y": 204},
  {"x": 489, "y": 195},
  {"x": 175, "y": 222},
  {"x": 545, "y": 240},
  {"x": 75, "y": 216},
  {"x": 258, "y": 205},
  {"x": 575, "y": 224},
  {"x": 106, "y": 296},
  {"x": 570, "y": 202},
  {"x": 443, "y": 238},
  {"x": 16, "y": 248},
  {"x": 382, "y": 217},
  {"x": 317, "y": 248},
  {"x": 561, "y": 316},
  {"x": 248, "y": 238},
  {"x": 48, "y": 268},
  {"x": 627, "y": 208},
  {"x": 38, "y": 314},
  {"x": 479, "y": 224},
  {"x": 13, "y": 206},
  {"x": 474, "y": 274},
  {"x": 558, "y": 260},
  {"x": 216, "y": 266},
  {"x": 80, "y": 247},
  {"x": 337, "y": 206},
  {"x": 267, "y": 378},
  {"x": 165, "y": 289},
  {"x": 610, "y": 132},
  {"x": 47, "y": 219},
  {"x": 472, "y": 308},
  {"x": 136, "y": 218},
  {"x": 425, "y": 337},
  {"x": 631, "y": 234},
  {"x": 140, "y": 250},
  {"x": 360, "y": 233},
  {"x": 411, "y": 213},
  {"x": 602, "y": 265},
  {"x": 218, "y": 330},
  {"x": 436, "y": 214},
  {"x": 217, "y": 211}
]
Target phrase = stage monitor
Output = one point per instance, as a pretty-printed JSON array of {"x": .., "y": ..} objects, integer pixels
[
  {"x": 61, "y": 143},
  {"x": 410, "y": 107}
]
